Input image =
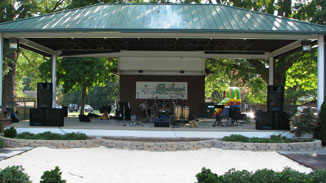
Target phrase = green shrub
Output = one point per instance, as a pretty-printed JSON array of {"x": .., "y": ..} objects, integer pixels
[
  {"x": 48, "y": 136},
  {"x": 265, "y": 175},
  {"x": 262, "y": 176},
  {"x": 14, "y": 174},
  {"x": 292, "y": 176},
  {"x": 236, "y": 138},
  {"x": 206, "y": 176},
  {"x": 2, "y": 143},
  {"x": 53, "y": 176},
  {"x": 25, "y": 135},
  {"x": 317, "y": 176},
  {"x": 303, "y": 122},
  {"x": 52, "y": 136},
  {"x": 321, "y": 132},
  {"x": 74, "y": 136},
  {"x": 11, "y": 132},
  {"x": 272, "y": 139},
  {"x": 233, "y": 176}
]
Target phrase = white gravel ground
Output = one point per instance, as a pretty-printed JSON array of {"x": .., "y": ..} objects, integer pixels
[{"x": 101, "y": 165}]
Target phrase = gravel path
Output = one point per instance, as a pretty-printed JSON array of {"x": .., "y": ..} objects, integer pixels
[{"x": 98, "y": 165}]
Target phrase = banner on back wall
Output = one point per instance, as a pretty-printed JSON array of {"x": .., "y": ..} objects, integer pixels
[{"x": 162, "y": 90}]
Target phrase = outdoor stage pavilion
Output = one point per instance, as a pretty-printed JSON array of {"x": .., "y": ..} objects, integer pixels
[{"x": 157, "y": 43}]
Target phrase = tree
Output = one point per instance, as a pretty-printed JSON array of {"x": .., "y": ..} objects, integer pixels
[
  {"x": 299, "y": 68},
  {"x": 84, "y": 73},
  {"x": 13, "y": 10}
]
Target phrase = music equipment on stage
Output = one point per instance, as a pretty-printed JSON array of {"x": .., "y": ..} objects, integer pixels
[
  {"x": 178, "y": 112},
  {"x": 275, "y": 98},
  {"x": 185, "y": 113},
  {"x": 46, "y": 117},
  {"x": 54, "y": 117},
  {"x": 44, "y": 95},
  {"x": 65, "y": 111},
  {"x": 275, "y": 120},
  {"x": 162, "y": 121},
  {"x": 37, "y": 117}
]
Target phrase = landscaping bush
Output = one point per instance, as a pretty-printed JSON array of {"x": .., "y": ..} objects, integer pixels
[
  {"x": 303, "y": 122},
  {"x": 262, "y": 176},
  {"x": 233, "y": 176},
  {"x": 53, "y": 176},
  {"x": 272, "y": 139},
  {"x": 14, "y": 174},
  {"x": 52, "y": 136},
  {"x": 25, "y": 135},
  {"x": 265, "y": 175},
  {"x": 292, "y": 176},
  {"x": 206, "y": 176},
  {"x": 317, "y": 176},
  {"x": 11, "y": 132},
  {"x": 74, "y": 136},
  {"x": 321, "y": 132}
]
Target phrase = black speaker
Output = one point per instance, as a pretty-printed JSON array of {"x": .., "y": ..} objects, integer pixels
[
  {"x": 234, "y": 113},
  {"x": 37, "y": 117},
  {"x": 54, "y": 117},
  {"x": 124, "y": 110},
  {"x": 265, "y": 121},
  {"x": 162, "y": 122},
  {"x": 275, "y": 98},
  {"x": 281, "y": 120},
  {"x": 44, "y": 95},
  {"x": 65, "y": 111}
]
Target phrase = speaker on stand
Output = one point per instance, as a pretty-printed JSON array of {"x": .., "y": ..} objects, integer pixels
[{"x": 275, "y": 98}]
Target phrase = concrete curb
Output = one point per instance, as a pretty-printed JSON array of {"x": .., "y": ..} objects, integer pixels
[{"x": 164, "y": 145}]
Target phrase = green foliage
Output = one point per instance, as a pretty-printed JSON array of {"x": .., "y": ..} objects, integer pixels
[
  {"x": 233, "y": 176},
  {"x": 14, "y": 174},
  {"x": 272, "y": 139},
  {"x": 292, "y": 176},
  {"x": 96, "y": 97},
  {"x": 303, "y": 122},
  {"x": 265, "y": 175},
  {"x": 10, "y": 133},
  {"x": 206, "y": 176},
  {"x": 53, "y": 176},
  {"x": 52, "y": 136},
  {"x": 321, "y": 132},
  {"x": 262, "y": 176}
]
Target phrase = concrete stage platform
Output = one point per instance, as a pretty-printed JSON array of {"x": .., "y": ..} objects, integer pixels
[{"x": 146, "y": 129}]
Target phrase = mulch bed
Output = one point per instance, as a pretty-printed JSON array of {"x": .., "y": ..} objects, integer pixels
[{"x": 314, "y": 161}]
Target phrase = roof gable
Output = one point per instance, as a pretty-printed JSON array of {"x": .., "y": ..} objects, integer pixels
[{"x": 161, "y": 18}]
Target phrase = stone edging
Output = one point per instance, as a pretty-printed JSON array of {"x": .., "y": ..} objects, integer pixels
[{"x": 163, "y": 146}]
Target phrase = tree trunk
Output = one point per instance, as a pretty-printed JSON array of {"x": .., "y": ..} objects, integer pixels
[
  {"x": 82, "y": 107},
  {"x": 9, "y": 81}
]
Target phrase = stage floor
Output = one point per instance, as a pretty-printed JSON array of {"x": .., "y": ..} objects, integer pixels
[{"x": 146, "y": 129}]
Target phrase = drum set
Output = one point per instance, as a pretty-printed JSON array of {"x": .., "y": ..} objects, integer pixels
[{"x": 177, "y": 113}]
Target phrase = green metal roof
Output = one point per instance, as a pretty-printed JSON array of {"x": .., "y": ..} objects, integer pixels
[{"x": 161, "y": 18}]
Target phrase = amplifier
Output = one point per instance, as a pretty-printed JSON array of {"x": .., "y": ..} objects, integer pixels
[{"x": 162, "y": 122}]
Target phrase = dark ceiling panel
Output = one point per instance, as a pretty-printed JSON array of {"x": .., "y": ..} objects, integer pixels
[{"x": 162, "y": 44}]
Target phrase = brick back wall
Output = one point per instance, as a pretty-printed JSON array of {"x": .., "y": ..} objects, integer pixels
[{"x": 196, "y": 91}]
